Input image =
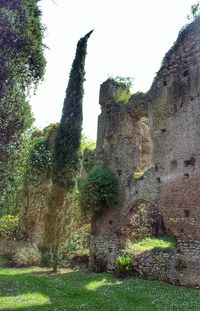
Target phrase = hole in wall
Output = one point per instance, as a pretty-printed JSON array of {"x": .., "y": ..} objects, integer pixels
[
  {"x": 173, "y": 164},
  {"x": 192, "y": 98},
  {"x": 186, "y": 175},
  {"x": 110, "y": 249},
  {"x": 119, "y": 172},
  {"x": 175, "y": 108},
  {"x": 159, "y": 180},
  {"x": 190, "y": 162},
  {"x": 110, "y": 140},
  {"x": 182, "y": 230},
  {"x": 186, "y": 73},
  {"x": 164, "y": 82},
  {"x": 163, "y": 130},
  {"x": 187, "y": 213},
  {"x": 110, "y": 222}
]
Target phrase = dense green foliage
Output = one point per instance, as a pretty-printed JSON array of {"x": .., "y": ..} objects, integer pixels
[
  {"x": 9, "y": 226},
  {"x": 36, "y": 289},
  {"x": 66, "y": 156},
  {"x": 21, "y": 67},
  {"x": 40, "y": 155},
  {"x": 123, "y": 266},
  {"x": 11, "y": 184},
  {"x": 99, "y": 190}
]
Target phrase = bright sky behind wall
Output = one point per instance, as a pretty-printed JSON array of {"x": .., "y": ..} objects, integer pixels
[{"x": 130, "y": 39}]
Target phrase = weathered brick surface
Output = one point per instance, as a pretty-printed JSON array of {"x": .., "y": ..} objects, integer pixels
[
  {"x": 169, "y": 151},
  {"x": 180, "y": 206}
]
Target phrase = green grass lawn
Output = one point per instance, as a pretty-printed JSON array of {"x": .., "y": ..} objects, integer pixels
[
  {"x": 165, "y": 243},
  {"x": 36, "y": 289}
]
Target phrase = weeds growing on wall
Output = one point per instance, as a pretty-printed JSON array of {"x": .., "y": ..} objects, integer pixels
[{"x": 124, "y": 84}]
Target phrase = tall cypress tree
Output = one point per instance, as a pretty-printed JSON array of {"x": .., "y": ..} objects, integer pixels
[{"x": 66, "y": 155}]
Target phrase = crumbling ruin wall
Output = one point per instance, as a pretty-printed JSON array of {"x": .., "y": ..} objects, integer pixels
[
  {"x": 169, "y": 189},
  {"x": 124, "y": 143}
]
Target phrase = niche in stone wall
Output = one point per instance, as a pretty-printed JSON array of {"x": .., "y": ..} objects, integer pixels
[
  {"x": 142, "y": 220},
  {"x": 173, "y": 165},
  {"x": 110, "y": 140},
  {"x": 190, "y": 162},
  {"x": 146, "y": 146}
]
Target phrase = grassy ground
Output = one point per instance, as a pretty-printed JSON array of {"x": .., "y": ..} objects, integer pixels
[
  {"x": 36, "y": 289},
  {"x": 147, "y": 244}
]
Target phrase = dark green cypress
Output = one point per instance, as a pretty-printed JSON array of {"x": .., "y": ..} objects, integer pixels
[{"x": 66, "y": 155}]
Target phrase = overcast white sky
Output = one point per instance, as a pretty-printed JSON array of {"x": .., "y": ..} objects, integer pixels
[{"x": 130, "y": 39}]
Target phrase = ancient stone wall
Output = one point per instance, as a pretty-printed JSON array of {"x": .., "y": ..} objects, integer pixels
[{"x": 157, "y": 133}]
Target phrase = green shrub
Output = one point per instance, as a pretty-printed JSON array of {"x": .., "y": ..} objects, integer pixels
[
  {"x": 123, "y": 266},
  {"x": 99, "y": 190},
  {"x": 3, "y": 262},
  {"x": 76, "y": 243},
  {"x": 9, "y": 226},
  {"x": 99, "y": 263},
  {"x": 26, "y": 257}
]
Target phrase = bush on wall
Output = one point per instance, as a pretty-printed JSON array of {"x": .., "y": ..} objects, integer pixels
[{"x": 99, "y": 190}]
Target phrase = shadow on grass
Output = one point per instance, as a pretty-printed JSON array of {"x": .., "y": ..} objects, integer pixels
[
  {"x": 22, "y": 290},
  {"x": 70, "y": 291}
]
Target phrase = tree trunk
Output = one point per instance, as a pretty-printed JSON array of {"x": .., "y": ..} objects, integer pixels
[
  {"x": 55, "y": 259},
  {"x": 54, "y": 226}
]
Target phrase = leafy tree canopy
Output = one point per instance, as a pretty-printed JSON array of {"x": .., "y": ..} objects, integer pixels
[{"x": 22, "y": 65}]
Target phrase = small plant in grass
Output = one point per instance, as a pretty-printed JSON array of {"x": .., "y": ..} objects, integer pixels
[{"x": 123, "y": 266}]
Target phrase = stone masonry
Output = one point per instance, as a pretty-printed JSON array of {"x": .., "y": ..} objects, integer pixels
[{"x": 158, "y": 134}]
